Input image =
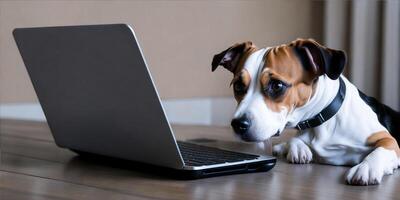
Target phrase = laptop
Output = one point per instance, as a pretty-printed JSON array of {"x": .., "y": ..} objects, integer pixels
[{"x": 98, "y": 97}]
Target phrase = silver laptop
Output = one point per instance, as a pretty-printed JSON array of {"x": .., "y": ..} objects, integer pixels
[{"x": 98, "y": 97}]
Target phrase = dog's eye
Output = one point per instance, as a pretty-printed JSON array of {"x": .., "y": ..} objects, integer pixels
[
  {"x": 275, "y": 88},
  {"x": 239, "y": 88}
]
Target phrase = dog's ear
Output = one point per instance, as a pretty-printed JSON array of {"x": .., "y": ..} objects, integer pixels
[
  {"x": 230, "y": 58},
  {"x": 319, "y": 59}
]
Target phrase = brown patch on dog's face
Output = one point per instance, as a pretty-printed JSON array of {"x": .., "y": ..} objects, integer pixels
[
  {"x": 241, "y": 82},
  {"x": 233, "y": 59},
  {"x": 284, "y": 81},
  {"x": 241, "y": 77},
  {"x": 250, "y": 48}
]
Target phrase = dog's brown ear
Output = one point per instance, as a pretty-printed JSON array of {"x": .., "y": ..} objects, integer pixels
[
  {"x": 230, "y": 58},
  {"x": 319, "y": 59}
]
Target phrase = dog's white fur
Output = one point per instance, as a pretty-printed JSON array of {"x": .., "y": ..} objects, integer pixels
[{"x": 339, "y": 141}]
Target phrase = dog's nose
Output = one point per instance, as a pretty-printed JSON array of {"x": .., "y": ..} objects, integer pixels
[{"x": 241, "y": 125}]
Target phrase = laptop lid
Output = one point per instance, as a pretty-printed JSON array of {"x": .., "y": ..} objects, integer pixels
[{"x": 97, "y": 93}]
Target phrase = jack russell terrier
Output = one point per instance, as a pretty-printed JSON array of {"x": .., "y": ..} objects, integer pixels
[{"x": 300, "y": 85}]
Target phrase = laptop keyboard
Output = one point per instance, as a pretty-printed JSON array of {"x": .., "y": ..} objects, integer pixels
[{"x": 198, "y": 155}]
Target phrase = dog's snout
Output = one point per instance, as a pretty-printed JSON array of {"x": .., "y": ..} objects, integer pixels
[{"x": 241, "y": 125}]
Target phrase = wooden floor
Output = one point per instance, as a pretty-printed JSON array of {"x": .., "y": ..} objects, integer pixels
[{"x": 33, "y": 167}]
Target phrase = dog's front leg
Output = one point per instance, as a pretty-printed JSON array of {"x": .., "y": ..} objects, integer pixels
[
  {"x": 280, "y": 150},
  {"x": 383, "y": 160},
  {"x": 295, "y": 150}
]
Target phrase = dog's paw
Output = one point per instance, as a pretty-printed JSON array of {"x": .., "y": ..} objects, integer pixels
[
  {"x": 364, "y": 174},
  {"x": 371, "y": 170},
  {"x": 298, "y": 152},
  {"x": 280, "y": 150}
]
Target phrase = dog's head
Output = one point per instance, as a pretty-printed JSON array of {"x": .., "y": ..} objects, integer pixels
[{"x": 270, "y": 83}]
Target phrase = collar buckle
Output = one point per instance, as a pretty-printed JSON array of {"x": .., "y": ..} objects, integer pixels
[{"x": 303, "y": 125}]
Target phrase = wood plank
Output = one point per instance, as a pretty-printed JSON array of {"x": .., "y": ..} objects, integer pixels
[
  {"x": 93, "y": 174},
  {"x": 42, "y": 159},
  {"x": 18, "y": 186},
  {"x": 19, "y": 195},
  {"x": 109, "y": 176},
  {"x": 39, "y": 149},
  {"x": 285, "y": 181},
  {"x": 25, "y": 129}
]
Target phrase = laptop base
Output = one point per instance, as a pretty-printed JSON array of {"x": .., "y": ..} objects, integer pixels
[{"x": 183, "y": 174}]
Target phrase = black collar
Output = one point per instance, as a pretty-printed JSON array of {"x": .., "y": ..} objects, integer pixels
[{"x": 327, "y": 112}]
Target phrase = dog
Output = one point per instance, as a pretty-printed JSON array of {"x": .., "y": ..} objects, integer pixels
[{"x": 300, "y": 85}]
